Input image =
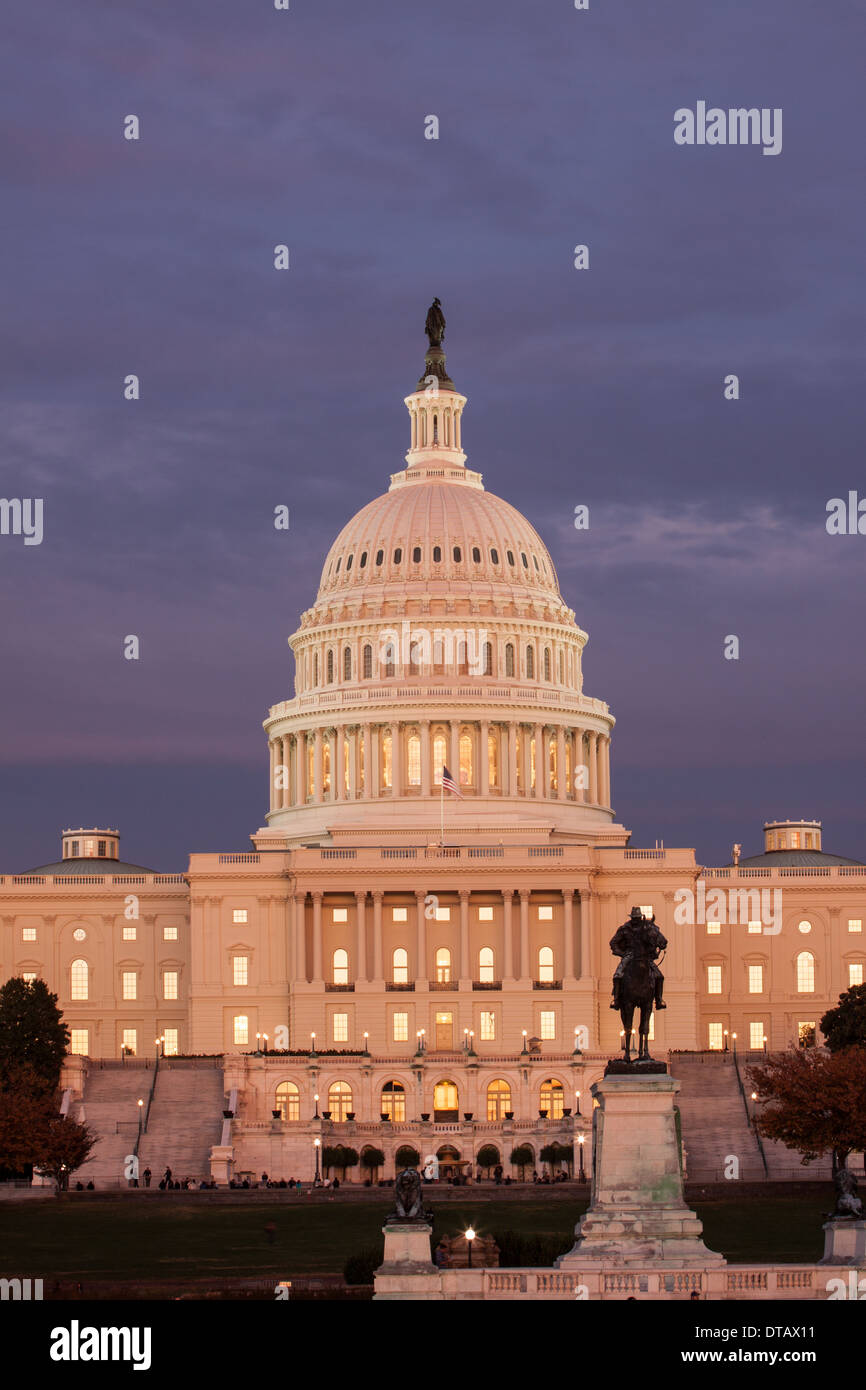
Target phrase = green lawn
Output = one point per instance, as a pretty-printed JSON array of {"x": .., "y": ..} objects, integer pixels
[{"x": 132, "y": 1239}]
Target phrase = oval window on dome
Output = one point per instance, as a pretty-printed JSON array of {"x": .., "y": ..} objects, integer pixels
[
  {"x": 416, "y": 555},
  {"x": 524, "y": 559},
  {"x": 535, "y": 562},
  {"x": 509, "y": 555},
  {"x": 363, "y": 560},
  {"x": 437, "y": 554},
  {"x": 476, "y": 554},
  {"x": 339, "y": 563},
  {"x": 349, "y": 563},
  {"x": 398, "y": 556},
  {"x": 458, "y": 556},
  {"x": 494, "y": 555},
  {"x": 380, "y": 555}
]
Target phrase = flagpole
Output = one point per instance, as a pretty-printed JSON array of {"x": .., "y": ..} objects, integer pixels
[{"x": 442, "y": 809}]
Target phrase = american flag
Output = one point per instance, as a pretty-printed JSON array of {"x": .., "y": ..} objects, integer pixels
[{"x": 449, "y": 784}]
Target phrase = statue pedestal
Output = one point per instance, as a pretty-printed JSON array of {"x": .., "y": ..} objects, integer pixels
[
  {"x": 637, "y": 1213},
  {"x": 844, "y": 1243},
  {"x": 407, "y": 1272}
]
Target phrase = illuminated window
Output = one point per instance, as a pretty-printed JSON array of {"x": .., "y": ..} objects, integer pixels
[
  {"x": 28, "y": 976},
  {"x": 130, "y": 933},
  {"x": 340, "y": 1099},
  {"x": 855, "y": 924},
  {"x": 28, "y": 933},
  {"x": 716, "y": 1037},
  {"x": 341, "y": 967},
  {"x": 241, "y": 1030},
  {"x": 498, "y": 1099},
  {"x": 756, "y": 979},
  {"x": 755, "y": 928},
  {"x": 440, "y": 757},
  {"x": 240, "y": 970},
  {"x": 466, "y": 777},
  {"x": 78, "y": 1043},
  {"x": 647, "y": 909},
  {"x": 551, "y": 764},
  {"x": 804, "y": 927},
  {"x": 240, "y": 914},
  {"x": 326, "y": 765},
  {"x": 545, "y": 914},
  {"x": 400, "y": 966},
  {"x": 855, "y": 972},
  {"x": 552, "y": 1099},
  {"x": 398, "y": 914},
  {"x": 394, "y": 1101},
  {"x": 545, "y": 964},
  {"x": 129, "y": 984},
  {"x": 485, "y": 965},
  {"x": 78, "y": 979},
  {"x": 509, "y": 659},
  {"x": 340, "y": 914},
  {"x": 493, "y": 759},
  {"x": 714, "y": 979},
  {"x": 444, "y": 1100},
  {"x": 443, "y": 914},
  {"x": 548, "y": 1024},
  {"x": 714, "y": 928},
  {"x": 756, "y": 1036},
  {"x": 129, "y": 1041},
  {"x": 795, "y": 839},
  {"x": 288, "y": 1101},
  {"x": 341, "y": 1027},
  {"x": 443, "y": 965},
  {"x": 169, "y": 984},
  {"x": 488, "y": 1026},
  {"x": 81, "y": 935},
  {"x": 805, "y": 973},
  {"x": 806, "y": 1033},
  {"x": 485, "y": 914},
  {"x": 400, "y": 1027},
  {"x": 413, "y": 745},
  {"x": 386, "y": 760},
  {"x": 169, "y": 933}
]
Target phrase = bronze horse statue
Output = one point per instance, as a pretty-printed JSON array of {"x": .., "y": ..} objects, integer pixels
[{"x": 638, "y": 982}]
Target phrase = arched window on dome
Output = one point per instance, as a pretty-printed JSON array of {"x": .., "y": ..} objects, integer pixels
[
  {"x": 545, "y": 965},
  {"x": 535, "y": 562},
  {"x": 288, "y": 1102},
  {"x": 368, "y": 663},
  {"x": 435, "y": 428},
  {"x": 438, "y": 655},
  {"x": 413, "y": 759},
  {"x": 524, "y": 559},
  {"x": 400, "y": 966},
  {"x": 530, "y": 663},
  {"x": 330, "y": 666},
  {"x": 339, "y": 563},
  {"x": 509, "y": 659},
  {"x": 386, "y": 761},
  {"x": 509, "y": 555},
  {"x": 340, "y": 967},
  {"x": 362, "y": 563},
  {"x": 488, "y": 658},
  {"x": 398, "y": 556},
  {"x": 498, "y": 1100},
  {"x": 467, "y": 778},
  {"x": 493, "y": 759},
  {"x": 415, "y": 654},
  {"x": 552, "y": 765},
  {"x": 347, "y": 663},
  {"x": 486, "y": 966},
  {"x": 380, "y": 556},
  {"x": 315, "y": 668},
  {"x": 349, "y": 563},
  {"x": 437, "y": 554},
  {"x": 440, "y": 756},
  {"x": 476, "y": 555},
  {"x": 547, "y": 663}
]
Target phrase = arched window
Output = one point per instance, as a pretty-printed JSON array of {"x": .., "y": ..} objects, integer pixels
[
  {"x": 398, "y": 555},
  {"x": 444, "y": 1101},
  {"x": 437, "y": 554},
  {"x": 545, "y": 964},
  {"x": 498, "y": 1100},
  {"x": 416, "y": 555},
  {"x": 509, "y": 659},
  {"x": 462, "y": 658},
  {"x": 386, "y": 760},
  {"x": 443, "y": 965},
  {"x": 494, "y": 555},
  {"x": 488, "y": 658},
  {"x": 415, "y": 659},
  {"x": 341, "y": 967},
  {"x": 362, "y": 563},
  {"x": 805, "y": 973},
  {"x": 458, "y": 555},
  {"x": 315, "y": 668},
  {"x": 476, "y": 555},
  {"x": 552, "y": 1099},
  {"x": 524, "y": 559},
  {"x": 368, "y": 663},
  {"x": 413, "y": 749},
  {"x": 393, "y": 1101},
  {"x": 330, "y": 667},
  {"x": 389, "y": 654},
  {"x": 339, "y": 1099},
  {"x": 486, "y": 965},
  {"x": 547, "y": 663},
  {"x": 440, "y": 757},
  {"x": 288, "y": 1101},
  {"x": 78, "y": 980},
  {"x": 400, "y": 966},
  {"x": 347, "y": 663},
  {"x": 380, "y": 555},
  {"x": 349, "y": 563},
  {"x": 509, "y": 555},
  {"x": 466, "y": 777},
  {"x": 493, "y": 759},
  {"x": 339, "y": 563},
  {"x": 530, "y": 663}
]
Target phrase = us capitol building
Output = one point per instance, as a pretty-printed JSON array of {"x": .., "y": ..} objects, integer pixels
[{"x": 360, "y": 964}]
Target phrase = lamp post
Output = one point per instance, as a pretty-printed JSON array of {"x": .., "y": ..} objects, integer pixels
[
  {"x": 734, "y": 1041},
  {"x": 471, "y": 1042},
  {"x": 316, "y": 1099},
  {"x": 366, "y": 1044},
  {"x": 581, "y": 1140},
  {"x": 470, "y": 1236},
  {"x": 765, "y": 1044},
  {"x": 258, "y": 1044},
  {"x": 160, "y": 1046},
  {"x": 140, "y": 1115},
  {"x": 312, "y": 1044},
  {"x": 576, "y": 1042},
  {"x": 577, "y": 1098},
  {"x": 317, "y": 1144},
  {"x": 523, "y": 1052},
  {"x": 265, "y": 1039},
  {"x": 726, "y": 1040}
]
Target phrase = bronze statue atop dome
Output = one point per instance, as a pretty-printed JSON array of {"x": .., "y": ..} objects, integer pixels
[{"x": 434, "y": 326}]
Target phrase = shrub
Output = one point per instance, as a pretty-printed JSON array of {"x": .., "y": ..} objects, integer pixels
[
  {"x": 522, "y": 1157},
  {"x": 407, "y": 1157},
  {"x": 522, "y": 1251},
  {"x": 359, "y": 1267},
  {"x": 488, "y": 1156},
  {"x": 372, "y": 1159}
]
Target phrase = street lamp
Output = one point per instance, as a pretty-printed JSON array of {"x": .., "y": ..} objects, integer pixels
[
  {"x": 726, "y": 1040},
  {"x": 366, "y": 1041},
  {"x": 317, "y": 1144},
  {"x": 523, "y": 1053},
  {"x": 160, "y": 1046},
  {"x": 765, "y": 1044},
  {"x": 471, "y": 1042},
  {"x": 581, "y": 1140},
  {"x": 576, "y": 1041},
  {"x": 140, "y": 1114},
  {"x": 312, "y": 1044},
  {"x": 470, "y": 1236},
  {"x": 265, "y": 1037},
  {"x": 258, "y": 1044},
  {"x": 577, "y": 1097},
  {"x": 734, "y": 1040},
  {"x": 316, "y": 1099}
]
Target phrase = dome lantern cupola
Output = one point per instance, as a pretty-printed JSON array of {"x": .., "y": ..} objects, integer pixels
[{"x": 435, "y": 409}]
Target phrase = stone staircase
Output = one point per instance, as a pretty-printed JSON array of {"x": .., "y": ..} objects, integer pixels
[
  {"x": 713, "y": 1118},
  {"x": 185, "y": 1119},
  {"x": 110, "y": 1110}
]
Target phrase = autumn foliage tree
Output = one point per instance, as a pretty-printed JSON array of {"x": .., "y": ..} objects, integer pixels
[
  {"x": 845, "y": 1026},
  {"x": 814, "y": 1101}
]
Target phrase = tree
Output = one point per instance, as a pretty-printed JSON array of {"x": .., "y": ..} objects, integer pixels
[
  {"x": 63, "y": 1145},
  {"x": 23, "y": 1114},
  {"x": 371, "y": 1160},
  {"x": 32, "y": 1033},
  {"x": 550, "y": 1154},
  {"x": 340, "y": 1156},
  {"x": 845, "y": 1026},
  {"x": 521, "y": 1157},
  {"x": 407, "y": 1157},
  {"x": 816, "y": 1101},
  {"x": 488, "y": 1156}
]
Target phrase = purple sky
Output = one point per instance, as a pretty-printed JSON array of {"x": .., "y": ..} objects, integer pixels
[{"x": 601, "y": 387}]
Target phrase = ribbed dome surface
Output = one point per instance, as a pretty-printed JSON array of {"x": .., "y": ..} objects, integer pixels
[{"x": 441, "y": 537}]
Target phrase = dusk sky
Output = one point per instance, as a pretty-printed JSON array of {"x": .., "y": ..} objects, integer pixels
[{"x": 259, "y": 387}]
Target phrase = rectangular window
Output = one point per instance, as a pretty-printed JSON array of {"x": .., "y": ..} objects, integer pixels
[
  {"x": 756, "y": 979},
  {"x": 443, "y": 914},
  {"x": 240, "y": 914},
  {"x": 130, "y": 1041},
  {"x": 485, "y": 914},
  {"x": 755, "y": 928},
  {"x": 169, "y": 984},
  {"x": 545, "y": 914},
  {"x": 101, "y": 849},
  {"x": 716, "y": 1039},
  {"x": 714, "y": 928},
  {"x": 169, "y": 933},
  {"x": 130, "y": 984},
  {"x": 29, "y": 976},
  {"x": 240, "y": 970},
  {"x": 129, "y": 933},
  {"x": 341, "y": 914},
  {"x": 28, "y": 933},
  {"x": 855, "y": 972},
  {"x": 399, "y": 914},
  {"x": 548, "y": 1024},
  {"x": 647, "y": 909},
  {"x": 488, "y": 1026},
  {"x": 341, "y": 1028},
  {"x": 400, "y": 1027},
  {"x": 855, "y": 924},
  {"x": 170, "y": 1035},
  {"x": 806, "y": 1034},
  {"x": 756, "y": 1036},
  {"x": 241, "y": 1030},
  {"x": 78, "y": 1041},
  {"x": 714, "y": 979}
]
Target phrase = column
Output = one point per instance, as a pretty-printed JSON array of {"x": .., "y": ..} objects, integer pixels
[
  {"x": 483, "y": 759},
  {"x": 273, "y": 802},
  {"x": 377, "y": 935},
  {"x": 396, "y": 761},
  {"x": 332, "y": 744},
  {"x": 300, "y": 938},
  {"x": 286, "y": 755},
  {"x": 317, "y": 765},
  {"x": 508, "y": 940},
  {"x": 425, "y": 757},
  {"x": 525, "y": 966},
  {"x": 561, "y": 788},
  {"x": 568, "y": 933},
  {"x": 421, "y": 936},
  {"x": 540, "y": 763},
  {"x": 352, "y": 734},
  {"x": 527, "y": 760},
  {"x": 586, "y": 909},
  {"x": 371, "y": 772},
  {"x": 593, "y": 767},
  {"x": 317, "y": 939},
  {"x": 509, "y": 787},
  {"x": 465, "y": 972},
  {"x": 605, "y": 770},
  {"x": 301, "y": 769},
  {"x": 454, "y": 759},
  {"x": 361, "y": 927}
]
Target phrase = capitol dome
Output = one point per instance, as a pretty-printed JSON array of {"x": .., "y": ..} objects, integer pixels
[{"x": 438, "y": 639}]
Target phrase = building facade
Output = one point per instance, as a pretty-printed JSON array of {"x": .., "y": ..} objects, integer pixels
[{"x": 396, "y": 957}]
